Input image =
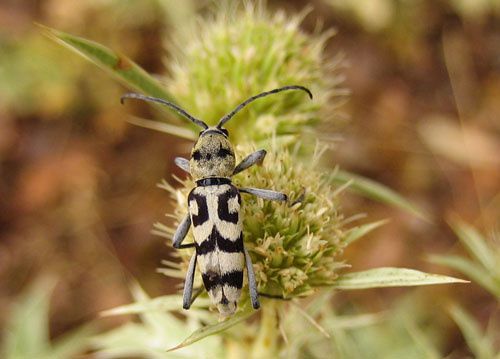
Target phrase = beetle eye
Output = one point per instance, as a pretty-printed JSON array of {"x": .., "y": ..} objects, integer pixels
[{"x": 224, "y": 131}]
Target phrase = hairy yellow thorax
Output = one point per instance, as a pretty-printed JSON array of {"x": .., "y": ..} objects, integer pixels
[{"x": 212, "y": 156}]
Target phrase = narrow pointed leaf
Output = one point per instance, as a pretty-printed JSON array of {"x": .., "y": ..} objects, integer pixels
[
  {"x": 155, "y": 331},
  {"x": 121, "y": 67},
  {"x": 27, "y": 334},
  {"x": 477, "y": 245},
  {"x": 470, "y": 269},
  {"x": 355, "y": 321},
  {"x": 28, "y": 328},
  {"x": 160, "y": 322},
  {"x": 357, "y": 232},
  {"x": 311, "y": 320},
  {"x": 377, "y": 191},
  {"x": 163, "y": 127},
  {"x": 390, "y": 277},
  {"x": 208, "y": 330},
  {"x": 421, "y": 339},
  {"x": 161, "y": 304},
  {"x": 480, "y": 345},
  {"x": 72, "y": 343}
]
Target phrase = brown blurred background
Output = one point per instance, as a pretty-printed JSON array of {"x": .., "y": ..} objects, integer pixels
[{"x": 77, "y": 184}]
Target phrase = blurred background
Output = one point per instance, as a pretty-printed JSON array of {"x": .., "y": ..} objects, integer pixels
[{"x": 78, "y": 193}]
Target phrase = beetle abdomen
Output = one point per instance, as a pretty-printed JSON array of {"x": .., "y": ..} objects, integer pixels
[{"x": 217, "y": 230}]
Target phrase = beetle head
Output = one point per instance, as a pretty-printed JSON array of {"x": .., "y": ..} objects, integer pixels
[{"x": 212, "y": 155}]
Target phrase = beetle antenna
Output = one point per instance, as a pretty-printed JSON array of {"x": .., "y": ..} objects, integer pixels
[
  {"x": 253, "y": 98},
  {"x": 177, "y": 109}
]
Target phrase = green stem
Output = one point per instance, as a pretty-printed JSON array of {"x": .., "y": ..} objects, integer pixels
[{"x": 266, "y": 344}]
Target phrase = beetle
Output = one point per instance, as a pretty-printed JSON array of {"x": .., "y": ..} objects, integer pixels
[{"x": 214, "y": 207}]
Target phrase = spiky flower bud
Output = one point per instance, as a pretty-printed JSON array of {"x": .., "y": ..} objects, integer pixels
[
  {"x": 294, "y": 246},
  {"x": 238, "y": 54}
]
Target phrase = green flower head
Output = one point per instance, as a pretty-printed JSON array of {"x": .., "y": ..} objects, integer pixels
[
  {"x": 239, "y": 53},
  {"x": 295, "y": 245}
]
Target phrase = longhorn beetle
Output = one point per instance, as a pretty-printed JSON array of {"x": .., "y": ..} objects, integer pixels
[{"x": 214, "y": 210}]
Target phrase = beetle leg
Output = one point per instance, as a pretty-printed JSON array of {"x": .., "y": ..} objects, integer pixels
[
  {"x": 188, "y": 283},
  {"x": 181, "y": 232},
  {"x": 265, "y": 193},
  {"x": 182, "y": 163},
  {"x": 252, "y": 284},
  {"x": 250, "y": 160}
]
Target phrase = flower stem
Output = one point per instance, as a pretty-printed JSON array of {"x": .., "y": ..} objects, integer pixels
[{"x": 266, "y": 344}]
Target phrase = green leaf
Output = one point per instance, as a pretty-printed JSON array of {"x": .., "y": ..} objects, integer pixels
[
  {"x": 149, "y": 337},
  {"x": 72, "y": 343},
  {"x": 390, "y": 277},
  {"x": 470, "y": 269},
  {"x": 421, "y": 339},
  {"x": 126, "y": 71},
  {"x": 377, "y": 191},
  {"x": 27, "y": 334},
  {"x": 477, "y": 245},
  {"x": 160, "y": 304},
  {"x": 357, "y": 232},
  {"x": 480, "y": 345},
  {"x": 208, "y": 330},
  {"x": 356, "y": 321},
  {"x": 156, "y": 330},
  {"x": 121, "y": 67},
  {"x": 28, "y": 328},
  {"x": 163, "y": 127}
]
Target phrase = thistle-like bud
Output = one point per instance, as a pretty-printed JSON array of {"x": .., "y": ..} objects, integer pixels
[
  {"x": 295, "y": 245},
  {"x": 235, "y": 55}
]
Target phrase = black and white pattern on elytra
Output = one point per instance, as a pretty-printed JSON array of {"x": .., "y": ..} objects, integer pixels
[
  {"x": 199, "y": 213},
  {"x": 217, "y": 231},
  {"x": 227, "y": 209},
  {"x": 233, "y": 279},
  {"x": 215, "y": 206},
  {"x": 215, "y": 240}
]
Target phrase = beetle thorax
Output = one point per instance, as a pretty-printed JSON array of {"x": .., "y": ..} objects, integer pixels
[{"x": 212, "y": 156}]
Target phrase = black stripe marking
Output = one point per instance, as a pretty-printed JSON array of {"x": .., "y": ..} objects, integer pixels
[
  {"x": 234, "y": 279},
  {"x": 202, "y": 215},
  {"x": 212, "y": 279},
  {"x": 228, "y": 246},
  {"x": 224, "y": 245},
  {"x": 223, "y": 207}
]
